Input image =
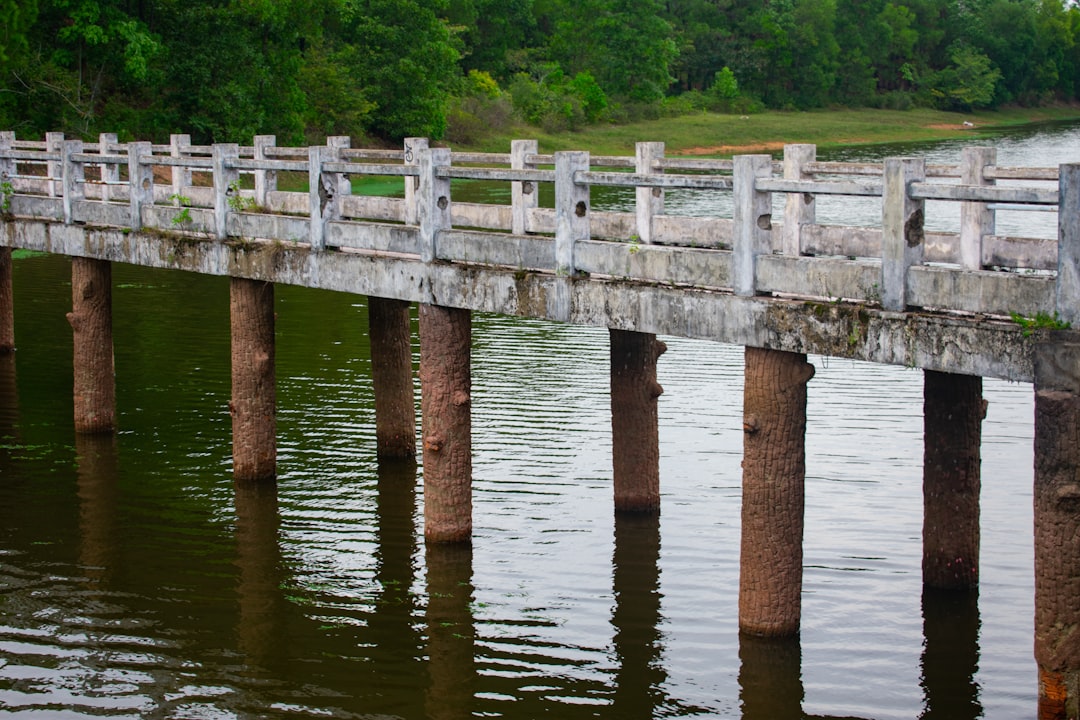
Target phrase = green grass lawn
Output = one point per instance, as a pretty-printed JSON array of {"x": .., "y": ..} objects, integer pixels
[{"x": 715, "y": 135}]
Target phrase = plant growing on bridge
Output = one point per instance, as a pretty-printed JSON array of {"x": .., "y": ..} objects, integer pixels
[
  {"x": 6, "y": 191},
  {"x": 1041, "y": 321}
]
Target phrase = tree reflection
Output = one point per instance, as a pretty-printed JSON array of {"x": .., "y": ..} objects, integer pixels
[
  {"x": 770, "y": 677},
  {"x": 451, "y": 638},
  {"x": 950, "y": 654},
  {"x": 636, "y": 616},
  {"x": 98, "y": 467}
]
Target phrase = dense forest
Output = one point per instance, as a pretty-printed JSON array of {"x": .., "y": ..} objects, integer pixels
[{"x": 224, "y": 70}]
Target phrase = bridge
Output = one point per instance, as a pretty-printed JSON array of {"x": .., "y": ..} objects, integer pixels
[{"x": 958, "y": 305}]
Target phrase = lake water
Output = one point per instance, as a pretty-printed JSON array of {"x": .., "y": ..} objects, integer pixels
[{"x": 136, "y": 581}]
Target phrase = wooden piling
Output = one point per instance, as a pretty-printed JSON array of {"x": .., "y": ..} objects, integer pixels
[
  {"x": 953, "y": 411},
  {"x": 7, "y": 303},
  {"x": 1057, "y": 526},
  {"x": 390, "y": 332},
  {"x": 774, "y": 471},
  {"x": 634, "y": 420},
  {"x": 91, "y": 325},
  {"x": 254, "y": 403},
  {"x": 445, "y": 405}
]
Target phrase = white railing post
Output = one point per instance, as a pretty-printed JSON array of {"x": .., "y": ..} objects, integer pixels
[
  {"x": 140, "y": 181},
  {"x": 649, "y": 202},
  {"x": 265, "y": 180},
  {"x": 53, "y": 142},
  {"x": 800, "y": 208},
  {"x": 752, "y": 221},
  {"x": 181, "y": 176},
  {"x": 74, "y": 177},
  {"x": 571, "y": 209},
  {"x": 902, "y": 232},
  {"x": 226, "y": 185},
  {"x": 433, "y": 200},
  {"x": 523, "y": 195},
  {"x": 110, "y": 172},
  {"x": 1067, "y": 291},
  {"x": 8, "y": 168},
  {"x": 976, "y": 218},
  {"x": 412, "y": 149},
  {"x": 335, "y": 144}
]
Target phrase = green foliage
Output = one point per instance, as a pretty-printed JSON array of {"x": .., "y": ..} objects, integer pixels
[
  {"x": 555, "y": 102},
  {"x": 1041, "y": 321},
  {"x": 725, "y": 86},
  {"x": 969, "y": 82}
]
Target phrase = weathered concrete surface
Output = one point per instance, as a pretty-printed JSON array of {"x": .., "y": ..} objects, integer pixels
[
  {"x": 773, "y": 481},
  {"x": 635, "y": 427},
  {"x": 1057, "y": 526},
  {"x": 91, "y": 324},
  {"x": 953, "y": 411},
  {"x": 254, "y": 394},
  {"x": 969, "y": 345},
  {"x": 390, "y": 332},
  {"x": 446, "y": 417}
]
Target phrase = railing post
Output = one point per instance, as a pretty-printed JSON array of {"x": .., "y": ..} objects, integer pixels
[
  {"x": 265, "y": 180},
  {"x": 7, "y": 166},
  {"x": 433, "y": 201},
  {"x": 411, "y": 156},
  {"x": 181, "y": 176},
  {"x": 74, "y": 176},
  {"x": 649, "y": 201},
  {"x": 902, "y": 231},
  {"x": 53, "y": 169},
  {"x": 1067, "y": 292},
  {"x": 140, "y": 181},
  {"x": 571, "y": 225},
  {"x": 335, "y": 144},
  {"x": 976, "y": 218},
  {"x": 226, "y": 184},
  {"x": 752, "y": 221},
  {"x": 800, "y": 208},
  {"x": 110, "y": 172},
  {"x": 523, "y": 195},
  {"x": 571, "y": 209}
]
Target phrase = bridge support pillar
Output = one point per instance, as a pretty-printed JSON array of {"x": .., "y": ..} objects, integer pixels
[
  {"x": 446, "y": 409},
  {"x": 254, "y": 396},
  {"x": 1057, "y": 526},
  {"x": 391, "y": 370},
  {"x": 774, "y": 472},
  {"x": 7, "y": 304},
  {"x": 953, "y": 411},
  {"x": 91, "y": 325},
  {"x": 634, "y": 420}
]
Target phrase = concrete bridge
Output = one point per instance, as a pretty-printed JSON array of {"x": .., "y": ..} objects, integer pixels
[{"x": 960, "y": 306}]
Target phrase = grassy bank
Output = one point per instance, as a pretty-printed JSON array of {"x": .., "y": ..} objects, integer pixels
[{"x": 713, "y": 135}]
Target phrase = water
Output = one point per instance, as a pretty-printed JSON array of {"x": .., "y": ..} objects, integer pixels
[{"x": 136, "y": 581}]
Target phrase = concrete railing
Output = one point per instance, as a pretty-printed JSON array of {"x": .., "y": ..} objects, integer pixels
[{"x": 898, "y": 265}]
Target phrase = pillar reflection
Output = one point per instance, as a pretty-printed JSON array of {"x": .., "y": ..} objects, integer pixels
[
  {"x": 770, "y": 677},
  {"x": 396, "y": 637},
  {"x": 98, "y": 468},
  {"x": 262, "y": 606},
  {"x": 451, "y": 639},
  {"x": 636, "y": 617},
  {"x": 950, "y": 656}
]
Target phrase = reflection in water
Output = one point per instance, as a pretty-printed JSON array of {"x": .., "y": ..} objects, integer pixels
[
  {"x": 951, "y": 654},
  {"x": 9, "y": 402},
  {"x": 258, "y": 555},
  {"x": 451, "y": 663},
  {"x": 98, "y": 466},
  {"x": 770, "y": 677},
  {"x": 638, "y": 643},
  {"x": 392, "y": 629}
]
